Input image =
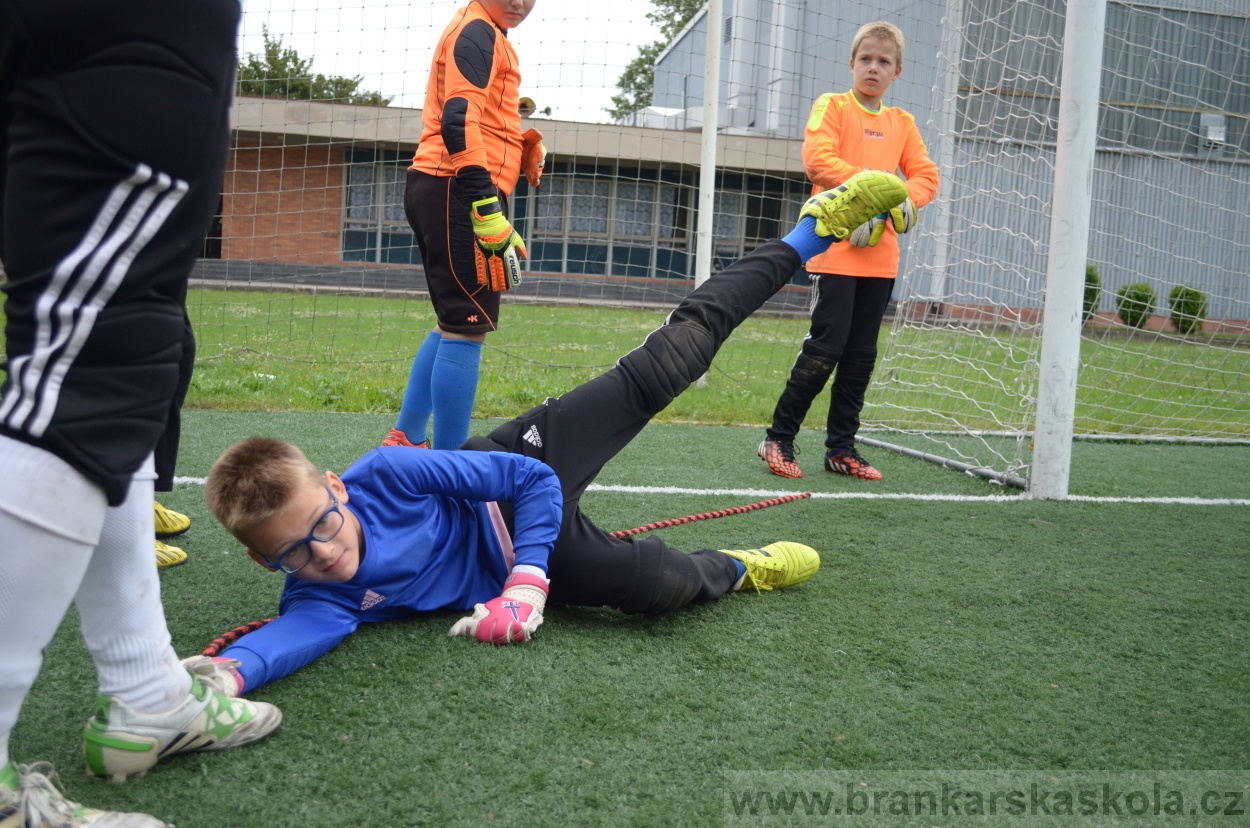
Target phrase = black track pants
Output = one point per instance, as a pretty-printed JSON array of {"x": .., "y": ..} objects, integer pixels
[
  {"x": 842, "y": 342},
  {"x": 578, "y": 432},
  {"x": 113, "y": 137}
]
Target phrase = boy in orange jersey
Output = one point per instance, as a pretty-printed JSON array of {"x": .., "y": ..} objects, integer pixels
[
  {"x": 851, "y": 283},
  {"x": 470, "y": 155}
]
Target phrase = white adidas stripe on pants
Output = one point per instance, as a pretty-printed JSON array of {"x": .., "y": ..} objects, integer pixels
[{"x": 80, "y": 287}]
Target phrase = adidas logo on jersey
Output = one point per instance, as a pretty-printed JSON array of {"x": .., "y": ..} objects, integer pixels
[
  {"x": 372, "y": 599},
  {"x": 532, "y": 437}
]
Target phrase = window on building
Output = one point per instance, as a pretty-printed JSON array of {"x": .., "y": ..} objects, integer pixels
[
  {"x": 605, "y": 219},
  {"x": 375, "y": 228},
  {"x": 750, "y": 210},
  {"x": 635, "y": 210},
  {"x": 636, "y": 221},
  {"x": 212, "y": 239},
  {"x": 1163, "y": 71}
]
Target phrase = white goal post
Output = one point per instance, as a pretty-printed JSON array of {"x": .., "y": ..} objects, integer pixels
[
  {"x": 1137, "y": 167},
  {"x": 1069, "y": 237}
]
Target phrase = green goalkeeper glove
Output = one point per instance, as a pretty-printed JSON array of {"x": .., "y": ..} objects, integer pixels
[
  {"x": 499, "y": 248},
  {"x": 904, "y": 217},
  {"x": 838, "y": 212}
]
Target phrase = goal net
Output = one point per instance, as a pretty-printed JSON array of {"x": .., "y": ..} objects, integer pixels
[
  {"x": 1168, "y": 292},
  {"x": 311, "y": 292}
]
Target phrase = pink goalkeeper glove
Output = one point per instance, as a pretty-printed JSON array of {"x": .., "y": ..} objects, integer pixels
[
  {"x": 221, "y": 674},
  {"x": 512, "y": 617}
]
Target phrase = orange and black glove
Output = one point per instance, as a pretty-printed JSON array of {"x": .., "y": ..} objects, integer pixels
[
  {"x": 533, "y": 156},
  {"x": 499, "y": 248}
]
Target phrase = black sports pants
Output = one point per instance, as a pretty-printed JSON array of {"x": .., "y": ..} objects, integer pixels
[
  {"x": 113, "y": 137},
  {"x": 166, "y": 452},
  {"x": 578, "y": 432},
  {"x": 438, "y": 208},
  {"x": 846, "y": 321}
]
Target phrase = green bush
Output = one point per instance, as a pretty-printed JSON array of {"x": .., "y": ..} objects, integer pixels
[
  {"x": 1189, "y": 308},
  {"x": 1135, "y": 303},
  {"x": 1093, "y": 290}
]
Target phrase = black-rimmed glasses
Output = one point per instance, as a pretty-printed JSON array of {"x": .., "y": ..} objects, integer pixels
[{"x": 326, "y": 527}]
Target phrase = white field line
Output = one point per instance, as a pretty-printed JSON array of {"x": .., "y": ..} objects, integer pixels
[{"x": 769, "y": 493}]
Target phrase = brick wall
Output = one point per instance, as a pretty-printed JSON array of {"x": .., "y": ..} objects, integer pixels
[{"x": 283, "y": 203}]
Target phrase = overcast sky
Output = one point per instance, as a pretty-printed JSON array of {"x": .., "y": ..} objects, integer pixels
[{"x": 572, "y": 51}]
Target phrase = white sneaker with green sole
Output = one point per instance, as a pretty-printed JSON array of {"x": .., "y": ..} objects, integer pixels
[
  {"x": 29, "y": 798},
  {"x": 122, "y": 743}
]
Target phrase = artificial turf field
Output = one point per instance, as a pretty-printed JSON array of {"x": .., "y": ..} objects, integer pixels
[{"x": 963, "y": 634}]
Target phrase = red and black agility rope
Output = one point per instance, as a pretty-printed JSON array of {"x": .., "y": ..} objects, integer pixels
[
  {"x": 719, "y": 513},
  {"x": 226, "y": 639}
]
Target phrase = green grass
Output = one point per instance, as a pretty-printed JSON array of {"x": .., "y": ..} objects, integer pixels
[
  {"x": 344, "y": 353},
  {"x": 970, "y": 635},
  {"x": 262, "y": 351},
  {"x": 302, "y": 352}
]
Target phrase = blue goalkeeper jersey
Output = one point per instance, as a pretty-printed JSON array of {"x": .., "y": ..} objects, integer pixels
[{"x": 431, "y": 541}]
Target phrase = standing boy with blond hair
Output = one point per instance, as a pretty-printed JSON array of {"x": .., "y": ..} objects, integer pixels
[
  {"x": 846, "y": 133},
  {"x": 472, "y": 152}
]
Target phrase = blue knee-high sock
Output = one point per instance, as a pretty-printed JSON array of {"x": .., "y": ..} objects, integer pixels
[
  {"x": 414, "y": 414},
  {"x": 453, "y": 387},
  {"x": 803, "y": 239}
]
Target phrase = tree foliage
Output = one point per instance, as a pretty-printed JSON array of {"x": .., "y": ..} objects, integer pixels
[
  {"x": 637, "y": 82},
  {"x": 281, "y": 73}
]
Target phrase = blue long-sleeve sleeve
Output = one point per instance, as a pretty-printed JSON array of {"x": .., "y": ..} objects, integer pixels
[
  {"x": 428, "y": 543},
  {"x": 304, "y": 633},
  {"x": 529, "y": 485}
]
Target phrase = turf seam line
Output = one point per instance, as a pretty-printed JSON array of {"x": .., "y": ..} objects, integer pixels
[
  {"x": 1189, "y": 501},
  {"x": 600, "y": 487}
]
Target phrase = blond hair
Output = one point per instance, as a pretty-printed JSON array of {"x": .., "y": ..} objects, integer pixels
[
  {"x": 254, "y": 480},
  {"x": 879, "y": 30}
]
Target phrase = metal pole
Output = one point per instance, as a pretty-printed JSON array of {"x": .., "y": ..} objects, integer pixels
[
  {"x": 707, "y": 157},
  {"x": 952, "y": 50},
  {"x": 1005, "y": 478},
  {"x": 1069, "y": 243}
]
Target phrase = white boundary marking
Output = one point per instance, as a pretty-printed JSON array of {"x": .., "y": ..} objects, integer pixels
[{"x": 768, "y": 493}]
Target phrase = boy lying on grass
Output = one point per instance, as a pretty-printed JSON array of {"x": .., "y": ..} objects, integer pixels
[{"x": 496, "y": 527}]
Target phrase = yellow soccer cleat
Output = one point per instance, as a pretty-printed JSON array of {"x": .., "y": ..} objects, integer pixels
[
  {"x": 167, "y": 555},
  {"x": 776, "y": 566},
  {"x": 169, "y": 522},
  {"x": 864, "y": 195}
]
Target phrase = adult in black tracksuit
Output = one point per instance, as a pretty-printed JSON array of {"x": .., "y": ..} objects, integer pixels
[{"x": 113, "y": 137}]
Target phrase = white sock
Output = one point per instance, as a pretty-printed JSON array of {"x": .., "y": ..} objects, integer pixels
[
  {"x": 50, "y": 520},
  {"x": 119, "y": 600}
]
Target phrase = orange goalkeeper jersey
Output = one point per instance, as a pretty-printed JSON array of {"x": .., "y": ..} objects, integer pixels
[
  {"x": 843, "y": 138},
  {"x": 471, "y": 115}
]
